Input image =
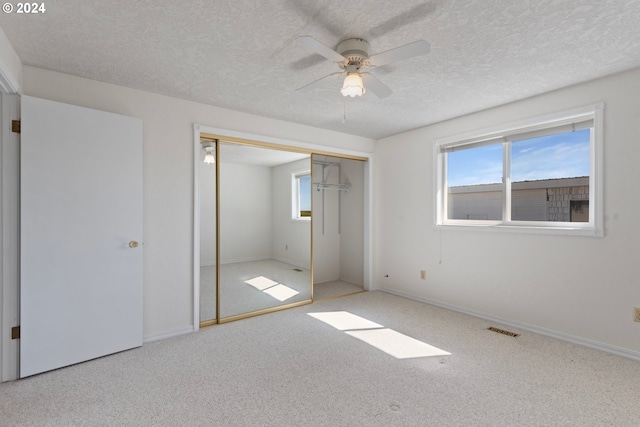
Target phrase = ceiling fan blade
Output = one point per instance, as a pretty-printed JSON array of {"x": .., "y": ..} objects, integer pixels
[
  {"x": 307, "y": 62},
  {"x": 376, "y": 87},
  {"x": 415, "y": 14},
  {"x": 317, "y": 47},
  {"x": 316, "y": 83},
  {"x": 407, "y": 51}
]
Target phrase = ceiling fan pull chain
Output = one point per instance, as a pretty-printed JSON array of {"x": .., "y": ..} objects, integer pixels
[{"x": 344, "y": 110}]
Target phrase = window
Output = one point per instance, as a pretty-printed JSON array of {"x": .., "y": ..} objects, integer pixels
[
  {"x": 542, "y": 174},
  {"x": 301, "y": 196}
]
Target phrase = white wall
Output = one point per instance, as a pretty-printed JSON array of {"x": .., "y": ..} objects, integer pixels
[
  {"x": 245, "y": 212},
  {"x": 291, "y": 239},
  {"x": 168, "y": 178},
  {"x": 582, "y": 288}
]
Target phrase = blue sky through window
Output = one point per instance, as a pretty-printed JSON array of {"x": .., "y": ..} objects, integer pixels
[
  {"x": 305, "y": 193},
  {"x": 564, "y": 155}
]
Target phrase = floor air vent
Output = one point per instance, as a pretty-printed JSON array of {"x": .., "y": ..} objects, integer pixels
[{"x": 503, "y": 332}]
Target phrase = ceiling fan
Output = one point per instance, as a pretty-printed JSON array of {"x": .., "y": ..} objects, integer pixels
[{"x": 352, "y": 56}]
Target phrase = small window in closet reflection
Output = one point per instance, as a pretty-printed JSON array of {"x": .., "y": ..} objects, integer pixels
[{"x": 301, "y": 196}]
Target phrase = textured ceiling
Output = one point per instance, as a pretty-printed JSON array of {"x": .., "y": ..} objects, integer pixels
[{"x": 243, "y": 55}]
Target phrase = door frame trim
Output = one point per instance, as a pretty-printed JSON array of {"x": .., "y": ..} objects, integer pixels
[{"x": 10, "y": 236}]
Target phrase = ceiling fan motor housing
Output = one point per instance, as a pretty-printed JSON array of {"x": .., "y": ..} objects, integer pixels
[{"x": 355, "y": 50}]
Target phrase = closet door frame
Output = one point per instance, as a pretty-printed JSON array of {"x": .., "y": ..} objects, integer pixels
[{"x": 226, "y": 135}]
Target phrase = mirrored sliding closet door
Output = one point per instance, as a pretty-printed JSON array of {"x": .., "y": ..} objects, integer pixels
[
  {"x": 207, "y": 268},
  {"x": 258, "y": 206},
  {"x": 265, "y": 229}
]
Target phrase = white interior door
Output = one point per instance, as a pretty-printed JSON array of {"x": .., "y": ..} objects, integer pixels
[{"x": 81, "y": 206}]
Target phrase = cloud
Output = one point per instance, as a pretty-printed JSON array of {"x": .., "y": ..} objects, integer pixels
[
  {"x": 558, "y": 160},
  {"x": 554, "y": 156}
]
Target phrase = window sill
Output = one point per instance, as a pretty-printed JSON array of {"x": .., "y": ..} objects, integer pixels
[{"x": 526, "y": 229}]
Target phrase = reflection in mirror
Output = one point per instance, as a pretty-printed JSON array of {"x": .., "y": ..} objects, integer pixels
[
  {"x": 265, "y": 228},
  {"x": 338, "y": 226},
  {"x": 207, "y": 193}
]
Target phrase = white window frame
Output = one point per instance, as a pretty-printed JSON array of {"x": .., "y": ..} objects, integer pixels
[
  {"x": 504, "y": 134},
  {"x": 295, "y": 195}
]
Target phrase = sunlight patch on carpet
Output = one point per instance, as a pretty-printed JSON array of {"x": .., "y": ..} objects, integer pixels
[
  {"x": 396, "y": 344},
  {"x": 343, "y": 320},
  {"x": 260, "y": 283},
  {"x": 392, "y": 342},
  {"x": 281, "y": 292},
  {"x": 272, "y": 288}
]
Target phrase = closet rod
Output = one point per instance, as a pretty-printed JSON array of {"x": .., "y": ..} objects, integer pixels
[
  {"x": 325, "y": 163},
  {"x": 342, "y": 187}
]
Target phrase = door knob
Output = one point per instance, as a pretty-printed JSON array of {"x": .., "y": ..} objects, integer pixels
[{"x": 133, "y": 244}]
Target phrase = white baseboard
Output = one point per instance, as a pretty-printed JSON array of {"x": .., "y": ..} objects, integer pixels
[
  {"x": 287, "y": 261},
  {"x": 292, "y": 262},
  {"x": 146, "y": 340},
  {"x": 236, "y": 260},
  {"x": 620, "y": 351}
]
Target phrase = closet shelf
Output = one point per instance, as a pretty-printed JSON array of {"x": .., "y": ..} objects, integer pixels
[{"x": 340, "y": 187}]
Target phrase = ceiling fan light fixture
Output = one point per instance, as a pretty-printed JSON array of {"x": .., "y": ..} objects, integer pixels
[{"x": 352, "y": 85}]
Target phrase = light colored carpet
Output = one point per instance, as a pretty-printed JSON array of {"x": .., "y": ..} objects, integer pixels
[
  {"x": 238, "y": 297},
  {"x": 290, "y": 369}
]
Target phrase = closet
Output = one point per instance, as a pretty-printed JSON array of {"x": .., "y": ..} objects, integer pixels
[
  {"x": 338, "y": 226},
  {"x": 272, "y": 222}
]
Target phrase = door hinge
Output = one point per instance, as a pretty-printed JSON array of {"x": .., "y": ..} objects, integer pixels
[
  {"x": 15, "y": 126},
  {"x": 15, "y": 333}
]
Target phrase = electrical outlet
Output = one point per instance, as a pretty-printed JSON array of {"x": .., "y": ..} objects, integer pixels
[
  {"x": 423, "y": 274},
  {"x": 636, "y": 314}
]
